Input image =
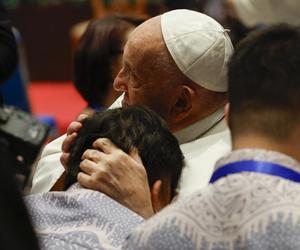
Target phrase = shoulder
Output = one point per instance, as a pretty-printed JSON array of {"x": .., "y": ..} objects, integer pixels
[
  {"x": 175, "y": 227},
  {"x": 223, "y": 213}
]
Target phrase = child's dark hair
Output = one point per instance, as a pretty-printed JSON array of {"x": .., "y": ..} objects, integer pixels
[{"x": 127, "y": 128}]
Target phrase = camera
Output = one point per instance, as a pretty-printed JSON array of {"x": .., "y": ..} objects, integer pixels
[{"x": 22, "y": 134}]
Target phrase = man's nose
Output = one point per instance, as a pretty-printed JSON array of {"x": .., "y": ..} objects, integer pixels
[{"x": 120, "y": 84}]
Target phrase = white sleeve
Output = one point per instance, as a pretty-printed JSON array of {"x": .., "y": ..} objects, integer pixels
[{"x": 49, "y": 168}]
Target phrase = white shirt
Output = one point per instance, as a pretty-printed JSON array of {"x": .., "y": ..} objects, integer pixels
[
  {"x": 202, "y": 144},
  {"x": 200, "y": 157}
]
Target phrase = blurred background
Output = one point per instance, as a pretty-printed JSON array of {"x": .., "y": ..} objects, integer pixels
[{"x": 44, "y": 26}]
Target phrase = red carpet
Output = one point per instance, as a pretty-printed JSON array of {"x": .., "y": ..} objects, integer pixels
[{"x": 57, "y": 99}]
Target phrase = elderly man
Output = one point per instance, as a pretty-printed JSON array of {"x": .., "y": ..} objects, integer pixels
[
  {"x": 253, "y": 200},
  {"x": 176, "y": 65}
]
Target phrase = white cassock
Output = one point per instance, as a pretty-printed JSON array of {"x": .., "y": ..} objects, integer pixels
[{"x": 202, "y": 144}]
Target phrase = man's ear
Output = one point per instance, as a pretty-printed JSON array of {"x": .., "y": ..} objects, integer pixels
[
  {"x": 227, "y": 113},
  {"x": 155, "y": 196},
  {"x": 184, "y": 102}
]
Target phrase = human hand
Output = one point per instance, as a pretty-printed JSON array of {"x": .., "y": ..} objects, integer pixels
[
  {"x": 121, "y": 176},
  {"x": 72, "y": 131}
]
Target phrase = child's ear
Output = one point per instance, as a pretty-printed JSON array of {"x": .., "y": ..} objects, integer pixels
[{"x": 156, "y": 196}]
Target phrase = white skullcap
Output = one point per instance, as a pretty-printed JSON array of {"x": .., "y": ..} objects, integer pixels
[{"x": 200, "y": 47}]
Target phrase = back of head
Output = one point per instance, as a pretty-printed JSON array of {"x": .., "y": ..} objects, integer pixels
[
  {"x": 128, "y": 128},
  {"x": 264, "y": 83},
  {"x": 97, "y": 52}
]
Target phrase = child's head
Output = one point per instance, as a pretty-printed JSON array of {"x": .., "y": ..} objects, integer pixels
[{"x": 139, "y": 128}]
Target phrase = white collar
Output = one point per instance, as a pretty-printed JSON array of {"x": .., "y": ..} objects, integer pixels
[
  {"x": 193, "y": 131},
  {"x": 200, "y": 127}
]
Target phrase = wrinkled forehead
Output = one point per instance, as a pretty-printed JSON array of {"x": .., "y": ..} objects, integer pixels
[
  {"x": 147, "y": 37},
  {"x": 146, "y": 45}
]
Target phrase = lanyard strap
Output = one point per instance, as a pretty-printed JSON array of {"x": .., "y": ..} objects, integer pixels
[{"x": 257, "y": 167}]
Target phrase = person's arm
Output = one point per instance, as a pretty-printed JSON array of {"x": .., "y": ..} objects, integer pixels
[
  {"x": 121, "y": 176},
  {"x": 53, "y": 161},
  {"x": 49, "y": 169},
  {"x": 49, "y": 173}
]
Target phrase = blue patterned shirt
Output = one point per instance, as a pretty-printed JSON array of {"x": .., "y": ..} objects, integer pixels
[
  {"x": 243, "y": 211},
  {"x": 80, "y": 219}
]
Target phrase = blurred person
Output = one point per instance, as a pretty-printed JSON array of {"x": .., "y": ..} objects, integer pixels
[
  {"x": 98, "y": 59},
  {"x": 16, "y": 232},
  {"x": 103, "y": 8},
  {"x": 253, "y": 200},
  {"x": 175, "y": 64},
  {"x": 264, "y": 12},
  {"x": 84, "y": 218}
]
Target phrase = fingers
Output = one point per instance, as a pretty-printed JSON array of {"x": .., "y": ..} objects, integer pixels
[
  {"x": 91, "y": 159},
  {"x": 109, "y": 148},
  {"x": 99, "y": 181},
  {"x": 72, "y": 131},
  {"x": 68, "y": 142},
  {"x": 74, "y": 127},
  {"x": 81, "y": 117},
  {"x": 92, "y": 154},
  {"x": 89, "y": 167},
  {"x": 105, "y": 145},
  {"x": 66, "y": 148},
  {"x": 85, "y": 180},
  {"x": 64, "y": 160}
]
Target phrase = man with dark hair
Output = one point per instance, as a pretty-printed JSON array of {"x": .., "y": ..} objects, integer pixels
[
  {"x": 264, "y": 85},
  {"x": 86, "y": 218},
  {"x": 253, "y": 200}
]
